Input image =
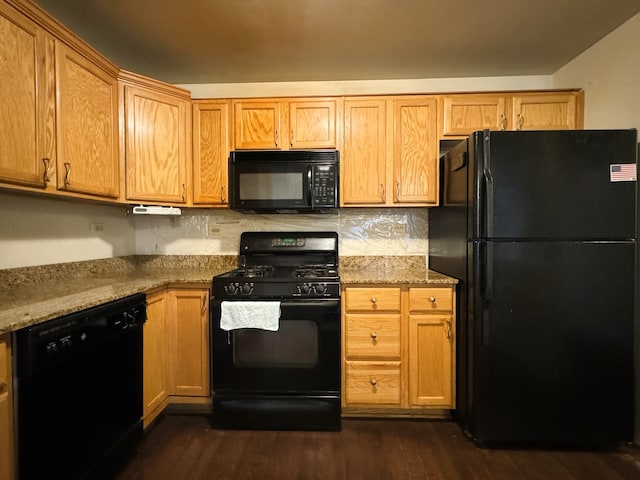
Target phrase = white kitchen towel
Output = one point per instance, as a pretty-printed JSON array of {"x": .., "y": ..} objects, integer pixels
[{"x": 246, "y": 314}]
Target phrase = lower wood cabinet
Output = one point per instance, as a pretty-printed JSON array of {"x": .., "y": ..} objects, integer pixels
[
  {"x": 6, "y": 410},
  {"x": 155, "y": 357},
  {"x": 176, "y": 349},
  {"x": 398, "y": 350},
  {"x": 189, "y": 339}
]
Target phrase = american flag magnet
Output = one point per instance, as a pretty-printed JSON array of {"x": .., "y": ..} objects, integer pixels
[{"x": 622, "y": 172}]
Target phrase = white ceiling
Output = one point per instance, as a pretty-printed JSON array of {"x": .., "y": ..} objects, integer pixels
[{"x": 237, "y": 41}]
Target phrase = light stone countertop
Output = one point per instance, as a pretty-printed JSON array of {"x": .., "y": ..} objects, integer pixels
[
  {"x": 32, "y": 295},
  {"x": 28, "y": 305}
]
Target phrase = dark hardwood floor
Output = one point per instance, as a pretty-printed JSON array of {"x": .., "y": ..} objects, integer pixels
[{"x": 186, "y": 447}]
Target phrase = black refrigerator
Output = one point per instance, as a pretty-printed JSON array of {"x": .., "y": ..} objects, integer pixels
[{"x": 540, "y": 229}]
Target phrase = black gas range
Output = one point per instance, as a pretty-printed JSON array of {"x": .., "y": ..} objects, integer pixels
[
  {"x": 285, "y": 376},
  {"x": 283, "y": 265}
]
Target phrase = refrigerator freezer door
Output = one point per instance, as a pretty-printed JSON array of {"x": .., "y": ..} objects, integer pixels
[
  {"x": 554, "y": 343},
  {"x": 557, "y": 184}
]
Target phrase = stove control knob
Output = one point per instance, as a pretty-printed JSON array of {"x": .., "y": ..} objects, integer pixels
[
  {"x": 320, "y": 288},
  {"x": 230, "y": 289},
  {"x": 247, "y": 288},
  {"x": 304, "y": 289}
]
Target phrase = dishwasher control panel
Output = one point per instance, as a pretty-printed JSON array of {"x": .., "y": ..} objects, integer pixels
[{"x": 56, "y": 339}]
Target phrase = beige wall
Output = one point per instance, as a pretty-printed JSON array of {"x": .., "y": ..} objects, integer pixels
[
  {"x": 609, "y": 73},
  {"x": 43, "y": 230}
]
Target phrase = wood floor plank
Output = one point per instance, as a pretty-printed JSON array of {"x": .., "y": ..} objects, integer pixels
[{"x": 186, "y": 447}]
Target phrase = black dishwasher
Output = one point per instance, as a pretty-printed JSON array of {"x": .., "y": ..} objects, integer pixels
[{"x": 79, "y": 390}]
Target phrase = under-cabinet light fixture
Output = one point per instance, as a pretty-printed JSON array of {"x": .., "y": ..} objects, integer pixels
[{"x": 155, "y": 210}]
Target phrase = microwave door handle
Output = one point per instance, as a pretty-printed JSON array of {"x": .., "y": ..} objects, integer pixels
[{"x": 310, "y": 186}]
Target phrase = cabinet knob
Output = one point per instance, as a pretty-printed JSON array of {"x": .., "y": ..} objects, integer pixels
[
  {"x": 432, "y": 299},
  {"x": 374, "y": 335},
  {"x": 373, "y": 382},
  {"x": 374, "y": 300}
]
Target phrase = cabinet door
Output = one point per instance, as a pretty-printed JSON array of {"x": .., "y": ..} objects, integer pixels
[
  {"x": 257, "y": 124},
  {"x": 157, "y": 146},
  {"x": 545, "y": 112},
  {"x": 190, "y": 334},
  {"x": 464, "y": 114},
  {"x": 87, "y": 126},
  {"x": 430, "y": 360},
  {"x": 415, "y": 151},
  {"x": 27, "y": 102},
  {"x": 6, "y": 410},
  {"x": 155, "y": 356},
  {"x": 363, "y": 163},
  {"x": 210, "y": 152},
  {"x": 312, "y": 123}
]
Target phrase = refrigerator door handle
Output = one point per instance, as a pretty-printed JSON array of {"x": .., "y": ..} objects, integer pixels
[
  {"x": 485, "y": 227},
  {"x": 487, "y": 221}
]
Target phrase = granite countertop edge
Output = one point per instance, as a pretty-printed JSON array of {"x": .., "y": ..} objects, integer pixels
[{"x": 31, "y": 304}]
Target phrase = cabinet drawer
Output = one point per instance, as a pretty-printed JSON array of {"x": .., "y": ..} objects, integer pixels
[
  {"x": 373, "y": 383},
  {"x": 431, "y": 299},
  {"x": 4, "y": 364},
  {"x": 372, "y": 336},
  {"x": 372, "y": 299}
]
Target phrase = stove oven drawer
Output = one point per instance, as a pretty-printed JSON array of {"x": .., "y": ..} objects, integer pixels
[
  {"x": 371, "y": 299},
  {"x": 372, "y": 383}
]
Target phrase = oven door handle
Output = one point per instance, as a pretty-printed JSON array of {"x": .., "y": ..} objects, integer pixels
[{"x": 327, "y": 304}]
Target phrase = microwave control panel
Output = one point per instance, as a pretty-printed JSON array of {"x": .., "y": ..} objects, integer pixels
[{"x": 324, "y": 186}]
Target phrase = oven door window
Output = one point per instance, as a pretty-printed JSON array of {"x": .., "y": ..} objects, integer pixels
[{"x": 294, "y": 345}]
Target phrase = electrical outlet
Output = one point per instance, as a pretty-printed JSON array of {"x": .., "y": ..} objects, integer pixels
[{"x": 98, "y": 227}]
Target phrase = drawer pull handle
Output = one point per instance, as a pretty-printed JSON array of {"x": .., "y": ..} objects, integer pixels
[
  {"x": 432, "y": 299},
  {"x": 449, "y": 329},
  {"x": 374, "y": 335},
  {"x": 203, "y": 310},
  {"x": 373, "y": 382},
  {"x": 2, "y": 385},
  {"x": 374, "y": 300}
]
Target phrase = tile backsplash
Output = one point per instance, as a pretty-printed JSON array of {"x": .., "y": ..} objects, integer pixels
[{"x": 362, "y": 231}]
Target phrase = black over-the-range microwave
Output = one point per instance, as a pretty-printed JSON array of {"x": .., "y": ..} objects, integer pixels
[{"x": 284, "y": 181}]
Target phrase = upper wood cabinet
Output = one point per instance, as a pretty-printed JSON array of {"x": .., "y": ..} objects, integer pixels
[
  {"x": 27, "y": 99},
  {"x": 87, "y": 126},
  {"x": 257, "y": 124},
  {"x": 157, "y": 140},
  {"x": 546, "y": 111},
  {"x": 210, "y": 152},
  {"x": 363, "y": 171},
  {"x": 390, "y": 151},
  {"x": 463, "y": 114},
  {"x": 286, "y": 124},
  {"x": 313, "y": 123},
  {"x": 415, "y": 150}
]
